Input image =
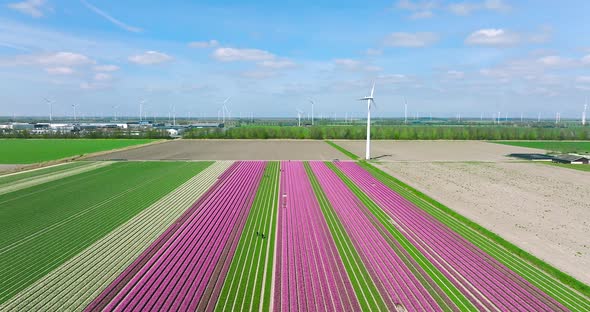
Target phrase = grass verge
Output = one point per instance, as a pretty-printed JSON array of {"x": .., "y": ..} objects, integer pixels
[
  {"x": 552, "y": 146},
  {"x": 342, "y": 150}
]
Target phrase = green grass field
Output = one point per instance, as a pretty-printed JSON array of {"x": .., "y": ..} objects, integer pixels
[
  {"x": 552, "y": 146},
  {"x": 36, "y": 173},
  {"x": 19, "y": 151},
  {"x": 43, "y": 226},
  {"x": 249, "y": 278}
]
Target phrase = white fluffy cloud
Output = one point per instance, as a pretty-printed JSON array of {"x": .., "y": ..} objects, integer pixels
[
  {"x": 586, "y": 59},
  {"x": 421, "y": 9},
  {"x": 150, "y": 58},
  {"x": 102, "y": 77},
  {"x": 59, "y": 70},
  {"x": 277, "y": 64},
  {"x": 233, "y": 55},
  {"x": 34, "y": 8},
  {"x": 204, "y": 44},
  {"x": 354, "y": 65},
  {"x": 492, "y": 37},
  {"x": 410, "y": 40},
  {"x": 466, "y": 8},
  {"x": 64, "y": 58},
  {"x": 555, "y": 61},
  {"x": 106, "y": 68}
]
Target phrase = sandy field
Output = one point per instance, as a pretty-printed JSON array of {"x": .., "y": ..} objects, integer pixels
[
  {"x": 8, "y": 168},
  {"x": 230, "y": 150},
  {"x": 543, "y": 209},
  {"x": 420, "y": 151}
]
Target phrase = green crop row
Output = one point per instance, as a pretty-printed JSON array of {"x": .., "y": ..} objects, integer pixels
[
  {"x": 39, "y": 172},
  {"x": 248, "y": 283},
  {"x": 43, "y": 226}
]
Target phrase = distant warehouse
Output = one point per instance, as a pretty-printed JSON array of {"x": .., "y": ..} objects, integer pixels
[{"x": 570, "y": 159}]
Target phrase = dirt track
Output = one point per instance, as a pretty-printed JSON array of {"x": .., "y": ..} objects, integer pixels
[
  {"x": 230, "y": 150},
  {"x": 8, "y": 168},
  {"x": 543, "y": 209},
  {"x": 420, "y": 151}
]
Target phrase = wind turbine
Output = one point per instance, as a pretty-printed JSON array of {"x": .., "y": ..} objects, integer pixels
[
  {"x": 584, "y": 114},
  {"x": 50, "y": 103},
  {"x": 299, "y": 113},
  {"x": 224, "y": 109},
  {"x": 141, "y": 104},
  {"x": 370, "y": 100},
  {"x": 405, "y": 110},
  {"x": 74, "y": 106},
  {"x": 116, "y": 108},
  {"x": 312, "y": 110}
]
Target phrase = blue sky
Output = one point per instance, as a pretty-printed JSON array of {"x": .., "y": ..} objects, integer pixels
[{"x": 444, "y": 57}]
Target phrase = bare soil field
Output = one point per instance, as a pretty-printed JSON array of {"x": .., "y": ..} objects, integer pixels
[
  {"x": 426, "y": 151},
  {"x": 230, "y": 150},
  {"x": 543, "y": 209},
  {"x": 8, "y": 168}
]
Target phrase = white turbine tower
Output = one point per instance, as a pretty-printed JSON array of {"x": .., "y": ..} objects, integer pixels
[
  {"x": 75, "y": 117},
  {"x": 224, "y": 109},
  {"x": 584, "y": 114},
  {"x": 312, "y": 110},
  {"x": 299, "y": 113},
  {"x": 50, "y": 103},
  {"x": 141, "y": 103},
  {"x": 370, "y": 100},
  {"x": 405, "y": 110},
  {"x": 116, "y": 108}
]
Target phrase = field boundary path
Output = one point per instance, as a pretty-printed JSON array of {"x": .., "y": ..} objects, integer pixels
[
  {"x": 73, "y": 285},
  {"x": 52, "y": 176}
]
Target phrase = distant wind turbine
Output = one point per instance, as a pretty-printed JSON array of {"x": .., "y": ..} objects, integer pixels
[
  {"x": 75, "y": 117},
  {"x": 224, "y": 109},
  {"x": 312, "y": 111},
  {"x": 584, "y": 114},
  {"x": 50, "y": 103},
  {"x": 370, "y": 100},
  {"x": 141, "y": 104},
  {"x": 405, "y": 110},
  {"x": 299, "y": 113}
]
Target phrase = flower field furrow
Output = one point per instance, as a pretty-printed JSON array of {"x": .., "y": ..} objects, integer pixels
[
  {"x": 467, "y": 266},
  {"x": 400, "y": 286},
  {"x": 310, "y": 274},
  {"x": 179, "y": 272}
]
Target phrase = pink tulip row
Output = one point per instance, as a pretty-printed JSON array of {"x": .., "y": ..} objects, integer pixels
[
  {"x": 184, "y": 270},
  {"x": 393, "y": 278},
  {"x": 483, "y": 280},
  {"x": 310, "y": 275}
]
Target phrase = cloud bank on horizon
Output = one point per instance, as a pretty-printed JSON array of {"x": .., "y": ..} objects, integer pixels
[{"x": 445, "y": 57}]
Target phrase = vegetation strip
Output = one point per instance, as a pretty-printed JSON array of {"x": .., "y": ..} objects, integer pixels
[
  {"x": 44, "y": 226},
  {"x": 16, "y": 151},
  {"x": 11, "y": 177},
  {"x": 183, "y": 271},
  {"x": 24, "y": 183},
  {"x": 78, "y": 281},
  {"x": 399, "y": 285},
  {"x": 310, "y": 274},
  {"x": 342, "y": 150},
  {"x": 248, "y": 282},
  {"x": 552, "y": 146},
  {"x": 367, "y": 293}
]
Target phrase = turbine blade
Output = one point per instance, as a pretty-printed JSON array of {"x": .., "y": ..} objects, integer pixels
[
  {"x": 229, "y": 97},
  {"x": 373, "y": 102},
  {"x": 373, "y": 89}
]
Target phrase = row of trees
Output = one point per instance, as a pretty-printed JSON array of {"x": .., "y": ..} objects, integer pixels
[{"x": 395, "y": 133}]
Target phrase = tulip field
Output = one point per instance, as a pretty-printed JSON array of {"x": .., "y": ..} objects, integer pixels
[{"x": 252, "y": 236}]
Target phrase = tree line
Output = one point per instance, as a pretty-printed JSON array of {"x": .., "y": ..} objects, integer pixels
[{"x": 394, "y": 133}]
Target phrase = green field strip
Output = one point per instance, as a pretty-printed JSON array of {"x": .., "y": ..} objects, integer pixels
[
  {"x": 18, "y": 176},
  {"x": 366, "y": 291},
  {"x": 552, "y": 146},
  {"x": 45, "y": 225},
  {"x": 569, "y": 166},
  {"x": 342, "y": 150},
  {"x": 49, "y": 177},
  {"x": 442, "y": 282},
  {"x": 562, "y": 287},
  {"x": 77, "y": 282},
  {"x": 249, "y": 279},
  {"x": 28, "y": 151}
]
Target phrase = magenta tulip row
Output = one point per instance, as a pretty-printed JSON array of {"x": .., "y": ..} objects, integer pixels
[
  {"x": 396, "y": 283},
  {"x": 310, "y": 275},
  {"x": 185, "y": 268},
  {"x": 485, "y": 281}
]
